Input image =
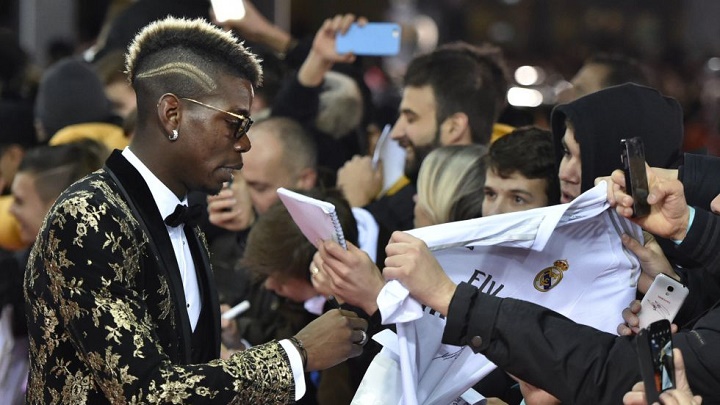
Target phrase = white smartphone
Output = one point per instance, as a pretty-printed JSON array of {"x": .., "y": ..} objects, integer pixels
[
  {"x": 379, "y": 39},
  {"x": 228, "y": 10},
  {"x": 662, "y": 301}
]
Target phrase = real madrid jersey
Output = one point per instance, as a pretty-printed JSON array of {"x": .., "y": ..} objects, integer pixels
[{"x": 567, "y": 257}]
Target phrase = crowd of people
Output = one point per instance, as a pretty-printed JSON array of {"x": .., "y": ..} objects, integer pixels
[{"x": 139, "y": 204}]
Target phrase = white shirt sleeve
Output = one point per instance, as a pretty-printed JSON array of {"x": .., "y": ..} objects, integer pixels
[{"x": 296, "y": 366}]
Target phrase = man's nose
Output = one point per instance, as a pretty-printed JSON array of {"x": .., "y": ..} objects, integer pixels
[
  {"x": 398, "y": 130},
  {"x": 243, "y": 144},
  {"x": 494, "y": 209}
]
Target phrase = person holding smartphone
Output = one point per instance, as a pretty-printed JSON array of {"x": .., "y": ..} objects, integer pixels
[
  {"x": 698, "y": 272},
  {"x": 680, "y": 395}
]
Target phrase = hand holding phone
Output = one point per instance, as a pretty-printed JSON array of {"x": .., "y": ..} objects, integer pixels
[
  {"x": 636, "y": 183},
  {"x": 655, "y": 355},
  {"x": 662, "y": 300},
  {"x": 378, "y": 39}
]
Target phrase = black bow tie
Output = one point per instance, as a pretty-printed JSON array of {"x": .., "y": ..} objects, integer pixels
[{"x": 184, "y": 215}]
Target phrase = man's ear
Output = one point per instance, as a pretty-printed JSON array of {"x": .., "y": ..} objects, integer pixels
[
  {"x": 455, "y": 130},
  {"x": 307, "y": 179},
  {"x": 169, "y": 112}
]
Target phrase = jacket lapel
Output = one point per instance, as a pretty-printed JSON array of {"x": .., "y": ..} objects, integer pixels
[{"x": 136, "y": 192}]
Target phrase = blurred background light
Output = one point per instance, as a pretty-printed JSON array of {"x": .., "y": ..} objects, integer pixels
[
  {"x": 529, "y": 75},
  {"x": 714, "y": 64},
  {"x": 523, "y": 97}
]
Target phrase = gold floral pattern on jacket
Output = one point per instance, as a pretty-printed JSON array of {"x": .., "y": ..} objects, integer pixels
[{"x": 102, "y": 321}]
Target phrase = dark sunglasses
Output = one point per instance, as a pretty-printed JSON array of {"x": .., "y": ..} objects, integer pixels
[{"x": 242, "y": 123}]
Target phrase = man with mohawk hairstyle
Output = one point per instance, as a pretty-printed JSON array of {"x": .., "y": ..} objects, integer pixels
[{"x": 121, "y": 302}]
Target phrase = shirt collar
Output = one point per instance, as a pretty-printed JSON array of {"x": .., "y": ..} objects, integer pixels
[{"x": 165, "y": 200}]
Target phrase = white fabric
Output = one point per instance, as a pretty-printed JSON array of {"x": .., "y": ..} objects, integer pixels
[
  {"x": 296, "y": 366},
  {"x": 384, "y": 375},
  {"x": 315, "y": 305},
  {"x": 368, "y": 230},
  {"x": 503, "y": 255},
  {"x": 166, "y": 202},
  {"x": 382, "y": 380}
]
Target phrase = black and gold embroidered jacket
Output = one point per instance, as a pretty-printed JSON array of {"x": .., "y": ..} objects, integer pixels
[{"x": 106, "y": 309}]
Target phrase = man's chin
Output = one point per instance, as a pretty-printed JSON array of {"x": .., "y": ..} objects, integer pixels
[{"x": 209, "y": 189}]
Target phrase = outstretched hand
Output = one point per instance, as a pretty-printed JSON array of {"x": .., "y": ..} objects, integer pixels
[{"x": 332, "y": 338}]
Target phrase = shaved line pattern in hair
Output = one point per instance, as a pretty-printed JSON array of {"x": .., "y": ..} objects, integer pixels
[{"x": 187, "y": 70}]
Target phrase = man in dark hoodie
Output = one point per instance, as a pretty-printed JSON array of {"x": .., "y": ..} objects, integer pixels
[{"x": 587, "y": 133}]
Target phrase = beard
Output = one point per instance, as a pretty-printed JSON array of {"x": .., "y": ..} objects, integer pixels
[{"x": 412, "y": 165}]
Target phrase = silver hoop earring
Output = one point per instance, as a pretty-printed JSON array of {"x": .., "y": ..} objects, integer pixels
[{"x": 174, "y": 135}]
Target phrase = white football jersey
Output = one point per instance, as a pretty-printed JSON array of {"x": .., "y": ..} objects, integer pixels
[{"x": 567, "y": 257}]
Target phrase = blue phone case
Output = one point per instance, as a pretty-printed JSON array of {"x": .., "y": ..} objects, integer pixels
[{"x": 379, "y": 39}]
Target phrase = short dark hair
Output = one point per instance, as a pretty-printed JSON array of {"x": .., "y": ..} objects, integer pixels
[
  {"x": 55, "y": 168},
  {"x": 530, "y": 152},
  {"x": 462, "y": 79},
  {"x": 621, "y": 69},
  {"x": 276, "y": 245},
  {"x": 183, "y": 56}
]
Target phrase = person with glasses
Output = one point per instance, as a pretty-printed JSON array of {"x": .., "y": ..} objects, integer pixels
[{"x": 120, "y": 296}]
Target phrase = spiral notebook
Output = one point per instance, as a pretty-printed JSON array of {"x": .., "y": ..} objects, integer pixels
[{"x": 316, "y": 219}]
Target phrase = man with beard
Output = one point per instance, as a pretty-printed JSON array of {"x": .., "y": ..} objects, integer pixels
[{"x": 452, "y": 96}]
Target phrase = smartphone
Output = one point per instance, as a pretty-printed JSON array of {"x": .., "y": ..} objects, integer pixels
[
  {"x": 378, "y": 39},
  {"x": 655, "y": 355},
  {"x": 662, "y": 300},
  {"x": 228, "y": 10},
  {"x": 636, "y": 184}
]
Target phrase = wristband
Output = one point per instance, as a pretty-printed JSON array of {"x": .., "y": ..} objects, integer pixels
[{"x": 301, "y": 349}]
